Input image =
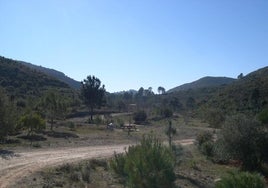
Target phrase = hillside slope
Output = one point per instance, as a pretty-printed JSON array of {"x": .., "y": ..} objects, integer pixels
[
  {"x": 21, "y": 81},
  {"x": 205, "y": 82},
  {"x": 249, "y": 93},
  {"x": 56, "y": 74}
]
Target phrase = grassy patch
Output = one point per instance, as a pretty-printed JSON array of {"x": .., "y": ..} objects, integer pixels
[
  {"x": 88, "y": 173},
  {"x": 196, "y": 170}
]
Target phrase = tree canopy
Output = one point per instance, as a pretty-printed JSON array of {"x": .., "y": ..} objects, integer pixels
[{"x": 93, "y": 93}]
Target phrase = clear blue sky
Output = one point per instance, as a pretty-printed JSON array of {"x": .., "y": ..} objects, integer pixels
[{"x": 130, "y": 44}]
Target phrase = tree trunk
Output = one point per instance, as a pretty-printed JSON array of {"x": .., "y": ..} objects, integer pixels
[
  {"x": 51, "y": 124},
  {"x": 91, "y": 114}
]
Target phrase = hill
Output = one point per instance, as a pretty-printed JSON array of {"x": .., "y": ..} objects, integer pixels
[
  {"x": 21, "y": 81},
  {"x": 56, "y": 74},
  {"x": 250, "y": 93},
  {"x": 205, "y": 82}
]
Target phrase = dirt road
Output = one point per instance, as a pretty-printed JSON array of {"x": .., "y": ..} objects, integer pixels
[
  {"x": 25, "y": 163},
  {"x": 22, "y": 164}
]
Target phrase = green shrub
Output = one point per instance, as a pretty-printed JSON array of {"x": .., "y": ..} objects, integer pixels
[
  {"x": 85, "y": 172},
  {"x": 241, "y": 180},
  {"x": 75, "y": 176},
  {"x": 245, "y": 141},
  {"x": 98, "y": 120},
  {"x": 140, "y": 117},
  {"x": 263, "y": 116},
  {"x": 7, "y": 116},
  {"x": 215, "y": 117},
  {"x": 118, "y": 164},
  {"x": 32, "y": 122},
  {"x": 205, "y": 143},
  {"x": 71, "y": 125},
  {"x": 37, "y": 145},
  {"x": 177, "y": 151},
  {"x": 204, "y": 137},
  {"x": 65, "y": 168},
  {"x": 166, "y": 113},
  {"x": 207, "y": 148},
  {"x": 220, "y": 152},
  {"x": 149, "y": 164},
  {"x": 119, "y": 122},
  {"x": 94, "y": 163}
]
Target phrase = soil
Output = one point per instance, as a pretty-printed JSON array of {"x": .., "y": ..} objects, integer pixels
[{"x": 19, "y": 164}]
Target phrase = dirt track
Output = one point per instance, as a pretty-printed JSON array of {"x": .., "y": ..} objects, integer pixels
[
  {"x": 25, "y": 163},
  {"x": 22, "y": 164}
]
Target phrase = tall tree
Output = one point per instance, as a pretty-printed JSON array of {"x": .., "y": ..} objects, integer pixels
[
  {"x": 240, "y": 76},
  {"x": 161, "y": 90},
  {"x": 93, "y": 93}
]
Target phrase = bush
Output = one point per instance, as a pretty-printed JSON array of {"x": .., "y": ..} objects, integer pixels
[
  {"x": 215, "y": 117},
  {"x": 7, "y": 116},
  {"x": 241, "y": 180},
  {"x": 149, "y": 164},
  {"x": 98, "y": 120},
  {"x": 263, "y": 116},
  {"x": 32, "y": 122},
  {"x": 37, "y": 145},
  {"x": 75, "y": 176},
  {"x": 245, "y": 140},
  {"x": 85, "y": 172},
  {"x": 119, "y": 122},
  {"x": 118, "y": 164},
  {"x": 205, "y": 143},
  {"x": 207, "y": 149},
  {"x": 140, "y": 117},
  {"x": 220, "y": 152},
  {"x": 204, "y": 137},
  {"x": 166, "y": 113},
  {"x": 71, "y": 125}
]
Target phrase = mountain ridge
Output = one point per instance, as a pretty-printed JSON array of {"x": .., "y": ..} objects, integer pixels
[
  {"x": 21, "y": 81},
  {"x": 54, "y": 73},
  {"x": 207, "y": 81},
  {"x": 247, "y": 93}
]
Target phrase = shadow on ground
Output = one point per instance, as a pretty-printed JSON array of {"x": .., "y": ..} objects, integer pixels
[
  {"x": 33, "y": 137},
  {"x": 55, "y": 134},
  {"x": 6, "y": 154}
]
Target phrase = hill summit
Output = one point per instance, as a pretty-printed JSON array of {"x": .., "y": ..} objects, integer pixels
[{"x": 207, "y": 82}]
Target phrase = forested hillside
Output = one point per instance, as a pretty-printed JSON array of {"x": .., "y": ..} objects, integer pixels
[
  {"x": 249, "y": 93},
  {"x": 21, "y": 81},
  {"x": 56, "y": 74},
  {"x": 205, "y": 82}
]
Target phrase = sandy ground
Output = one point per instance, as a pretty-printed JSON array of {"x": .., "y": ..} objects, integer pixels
[{"x": 21, "y": 164}]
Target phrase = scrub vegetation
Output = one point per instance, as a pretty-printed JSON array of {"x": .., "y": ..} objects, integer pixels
[{"x": 227, "y": 122}]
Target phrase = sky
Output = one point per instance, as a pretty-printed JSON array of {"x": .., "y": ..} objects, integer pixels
[{"x": 130, "y": 44}]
